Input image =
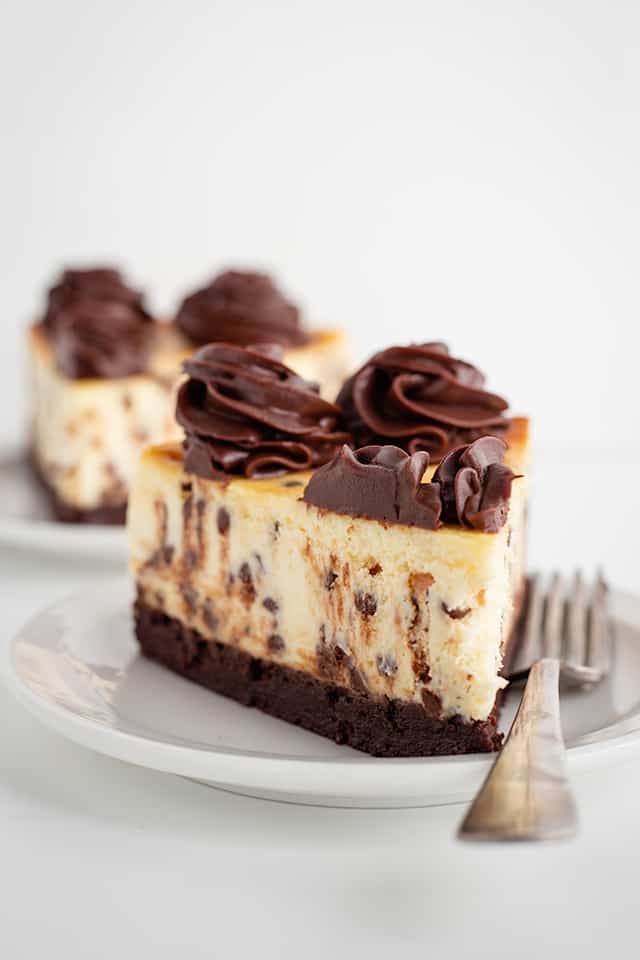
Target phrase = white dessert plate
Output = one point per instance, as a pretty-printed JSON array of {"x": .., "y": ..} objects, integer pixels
[
  {"x": 76, "y": 667},
  {"x": 26, "y": 521}
]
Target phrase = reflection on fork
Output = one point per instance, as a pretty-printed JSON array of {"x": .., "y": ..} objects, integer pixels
[{"x": 565, "y": 634}]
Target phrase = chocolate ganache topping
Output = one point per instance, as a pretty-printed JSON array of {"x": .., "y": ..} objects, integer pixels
[
  {"x": 420, "y": 398},
  {"x": 243, "y": 308},
  {"x": 100, "y": 339},
  {"x": 97, "y": 284},
  {"x": 98, "y": 325},
  {"x": 378, "y": 483},
  {"x": 475, "y": 485},
  {"x": 244, "y": 412}
]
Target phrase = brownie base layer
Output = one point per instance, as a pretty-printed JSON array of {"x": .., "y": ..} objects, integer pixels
[
  {"x": 376, "y": 725},
  {"x": 112, "y": 515}
]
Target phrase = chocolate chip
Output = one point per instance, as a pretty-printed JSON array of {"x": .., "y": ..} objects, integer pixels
[
  {"x": 248, "y": 589},
  {"x": 416, "y": 612},
  {"x": 190, "y": 559},
  {"x": 224, "y": 520},
  {"x": 161, "y": 557},
  {"x": 375, "y": 570},
  {"x": 456, "y": 613},
  {"x": 366, "y": 603},
  {"x": 330, "y": 579},
  {"x": 324, "y": 654},
  {"x": 358, "y": 681},
  {"x": 275, "y": 643},
  {"x": 201, "y": 506},
  {"x": 259, "y": 561},
  {"x": 432, "y": 703},
  {"x": 386, "y": 665},
  {"x": 186, "y": 487},
  {"x": 276, "y": 530},
  {"x": 190, "y": 597},
  {"x": 271, "y": 605},
  {"x": 208, "y": 615},
  {"x": 293, "y": 483}
]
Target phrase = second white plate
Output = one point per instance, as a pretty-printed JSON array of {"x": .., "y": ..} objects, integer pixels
[
  {"x": 25, "y": 518},
  {"x": 76, "y": 666}
]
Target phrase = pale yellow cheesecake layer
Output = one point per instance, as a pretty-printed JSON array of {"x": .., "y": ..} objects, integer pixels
[
  {"x": 417, "y": 613},
  {"x": 88, "y": 434}
]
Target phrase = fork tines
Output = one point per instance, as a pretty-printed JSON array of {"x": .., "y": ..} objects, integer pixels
[{"x": 567, "y": 621}]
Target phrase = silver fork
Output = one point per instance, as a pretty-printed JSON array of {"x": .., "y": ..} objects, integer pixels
[{"x": 526, "y": 795}]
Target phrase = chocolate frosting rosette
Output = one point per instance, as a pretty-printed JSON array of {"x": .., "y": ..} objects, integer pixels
[
  {"x": 98, "y": 325},
  {"x": 96, "y": 284},
  {"x": 243, "y": 308},
  {"x": 245, "y": 413},
  {"x": 475, "y": 485},
  {"x": 420, "y": 398}
]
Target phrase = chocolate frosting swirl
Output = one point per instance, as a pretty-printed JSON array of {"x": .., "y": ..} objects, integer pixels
[
  {"x": 420, "y": 398},
  {"x": 475, "y": 485},
  {"x": 244, "y": 412},
  {"x": 97, "y": 284},
  {"x": 379, "y": 483},
  {"x": 243, "y": 308},
  {"x": 100, "y": 339},
  {"x": 98, "y": 325}
]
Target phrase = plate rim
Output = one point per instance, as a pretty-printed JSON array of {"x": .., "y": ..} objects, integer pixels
[
  {"x": 53, "y": 535},
  {"x": 198, "y": 760}
]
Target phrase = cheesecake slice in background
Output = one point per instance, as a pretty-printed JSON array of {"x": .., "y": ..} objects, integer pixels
[
  {"x": 368, "y": 596},
  {"x": 104, "y": 376},
  {"x": 96, "y": 401}
]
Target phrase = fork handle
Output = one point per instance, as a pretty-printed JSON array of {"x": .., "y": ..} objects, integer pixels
[{"x": 526, "y": 795}]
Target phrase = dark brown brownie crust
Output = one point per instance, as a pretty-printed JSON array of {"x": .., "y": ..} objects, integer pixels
[
  {"x": 111, "y": 515},
  {"x": 376, "y": 725}
]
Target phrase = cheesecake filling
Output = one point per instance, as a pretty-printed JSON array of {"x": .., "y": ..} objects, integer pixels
[
  {"x": 409, "y": 614},
  {"x": 104, "y": 377},
  {"x": 87, "y": 434}
]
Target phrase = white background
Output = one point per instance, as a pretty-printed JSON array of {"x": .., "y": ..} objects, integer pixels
[
  {"x": 411, "y": 170},
  {"x": 463, "y": 171}
]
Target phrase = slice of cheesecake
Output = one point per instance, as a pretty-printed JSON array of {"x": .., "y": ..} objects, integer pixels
[
  {"x": 88, "y": 432},
  {"x": 104, "y": 378},
  {"x": 372, "y": 600}
]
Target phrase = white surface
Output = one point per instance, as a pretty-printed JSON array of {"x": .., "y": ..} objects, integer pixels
[
  {"x": 414, "y": 169},
  {"x": 101, "y": 859},
  {"x": 76, "y": 666},
  {"x": 454, "y": 170},
  {"x": 25, "y": 518}
]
